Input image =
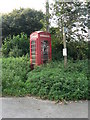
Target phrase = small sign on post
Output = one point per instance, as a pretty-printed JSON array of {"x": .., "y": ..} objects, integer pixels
[{"x": 65, "y": 52}]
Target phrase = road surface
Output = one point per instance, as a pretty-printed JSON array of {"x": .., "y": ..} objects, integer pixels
[{"x": 29, "y": 107}]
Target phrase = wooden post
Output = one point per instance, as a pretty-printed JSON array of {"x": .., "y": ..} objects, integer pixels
[
  {"x": 64, "y": 41},
  {"x": 64, "y": 44},
  {"x": 47, "y": 15}
]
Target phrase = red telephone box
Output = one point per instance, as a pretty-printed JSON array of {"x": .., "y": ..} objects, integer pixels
[{"x": 40, "y": 47}]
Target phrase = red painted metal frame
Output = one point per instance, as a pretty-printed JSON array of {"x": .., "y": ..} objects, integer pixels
[{"x": 39, "y": 36}]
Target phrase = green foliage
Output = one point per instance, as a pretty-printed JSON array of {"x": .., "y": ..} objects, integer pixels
[
  {"x": 23, "y": 20},
  {"x": 19, "y": 45},
  {"x": 0, "y": 77},
  {"x": 52, "y": 81},
  {"x": 71, "y": 15},
  {"x": 0, "y": 30},
  {"x": 77, "y": 50},
  {"x": 14, "y": 75},
  {"x": 16, "y": 46},
  {"x": 57, "y": 46},
  {"x": 49, "y": 81}
]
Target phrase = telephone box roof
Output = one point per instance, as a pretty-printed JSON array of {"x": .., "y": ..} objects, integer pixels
[{"x": 41, "y": 32}]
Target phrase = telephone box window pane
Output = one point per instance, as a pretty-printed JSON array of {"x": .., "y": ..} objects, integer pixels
[
  {"x": 33, "y": 51},
  {"x": 45, "y": 50}
]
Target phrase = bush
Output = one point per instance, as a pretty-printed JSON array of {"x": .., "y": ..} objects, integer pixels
[
  {"x": 75, "y": 49},
  {"x": 54, "y": 82},
  {"x": 49, "y": 81},
  {"x": 16, "y": 46},
  {"x": 57, "y": 48},
  {"x": 14, "y": 75},
  {"x": 0, "y": 76}
]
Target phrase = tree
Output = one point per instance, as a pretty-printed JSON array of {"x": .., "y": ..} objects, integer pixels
[
  {"x": 71, "y": 15},
  {"x": 0, "y": 31},
  {"x": 23, "y": 20},
  {"x": 45, "y": 20},
  {"x": 47, "y": 15}
]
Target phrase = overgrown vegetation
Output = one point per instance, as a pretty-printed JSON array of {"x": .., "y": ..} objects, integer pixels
[
  {"x": 14, "y": 75},
  {"x": 54, "y": 82},
  {"x": 16, "y": 46},
  {"x": 0, "y": 76},
  {"x": 77, "y": 50},
  {"x": 50, "y": 81}
]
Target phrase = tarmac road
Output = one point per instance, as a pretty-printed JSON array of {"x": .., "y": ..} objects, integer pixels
[{"x": 29, "y": 107}]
